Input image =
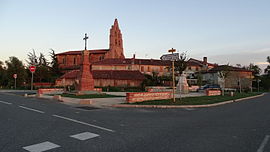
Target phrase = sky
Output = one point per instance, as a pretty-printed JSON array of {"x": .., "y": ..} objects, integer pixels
[{"x": 225, "y": 31}]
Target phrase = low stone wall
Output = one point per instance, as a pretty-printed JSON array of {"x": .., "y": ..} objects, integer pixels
[
  {"x": 213, "y": 92},
  {"x": 50, "y": 91},
  {"x": 98, "y": 89},
  {"x": 144, "y": 96},
  {"x": 158, "y": 89}
]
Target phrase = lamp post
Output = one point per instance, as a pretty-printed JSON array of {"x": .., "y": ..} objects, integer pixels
[{"x": 173, "y": 77}]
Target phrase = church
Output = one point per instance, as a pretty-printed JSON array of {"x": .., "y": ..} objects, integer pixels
[{"x": 110, "y": 67}]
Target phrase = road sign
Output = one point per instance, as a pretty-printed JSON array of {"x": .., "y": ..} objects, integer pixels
[
  {"x": 32, "y": 68},
  {"x": 15, "y": 76},
  {"x": 170, "y": 57}
]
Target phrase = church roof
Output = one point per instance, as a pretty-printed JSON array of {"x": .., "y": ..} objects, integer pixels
[
  {"x": 131, "y": 61},
  {"x": 80, "y": 52},
  {"x": 108, "y": 74}
]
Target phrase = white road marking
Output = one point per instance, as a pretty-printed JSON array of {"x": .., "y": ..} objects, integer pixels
[
  {"x": 31, "y": 109},
  {"x": 41, "y": 147},
  {"x": 84, "y": 123},
  {"x": 263, "y": 144},
  {"x": 84, "y": 136},
  {"x": 8, "y": 103}
]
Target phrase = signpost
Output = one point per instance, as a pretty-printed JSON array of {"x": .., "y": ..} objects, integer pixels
[
  {"x": 15, "y": 78},
  {"x": 32, "y": 70},
  {"x": 171, "y": 57}
]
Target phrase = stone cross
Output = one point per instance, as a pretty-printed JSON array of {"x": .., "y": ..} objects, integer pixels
[{"x": 85, "y": 41}]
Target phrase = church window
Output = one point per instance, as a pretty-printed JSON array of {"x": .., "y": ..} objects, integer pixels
[
  {"x": 74, "y": 61},
  {"x": 149, "y": 69},
  {"x": 116, "y": 42},
  {"x": 142, "y": 69}
]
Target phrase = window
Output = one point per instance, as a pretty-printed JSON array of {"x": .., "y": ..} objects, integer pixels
[
  {"x": 74, "y": 61},
  {"x": 149, "y": 69},
  {"x": 142, "y": 68}
]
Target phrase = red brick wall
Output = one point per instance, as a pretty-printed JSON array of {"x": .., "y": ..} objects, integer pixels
[
  {"x": 144, "y": 96},
  {"x": 213, "y": 92}
]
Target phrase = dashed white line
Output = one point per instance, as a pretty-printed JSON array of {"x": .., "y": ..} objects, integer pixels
[
  {"x": 84, "y": 136},
  {"x": 31, "y": 109},
  {"x": 8, "y": 103},
  {"x": 83, "y": 123},
  {"x": 41, "y": 147},
  {"x": 263, "y": 144}
]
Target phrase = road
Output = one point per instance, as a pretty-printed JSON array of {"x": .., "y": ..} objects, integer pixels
[{"x": 31, "y": 124}]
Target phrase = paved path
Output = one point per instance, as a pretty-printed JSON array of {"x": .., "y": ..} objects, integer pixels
[{"x": 31, "y": 124}]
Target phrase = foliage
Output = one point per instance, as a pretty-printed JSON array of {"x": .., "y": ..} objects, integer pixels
[
  {"x": 255, "y": 69},
  {"x": 3, "y": 75},
  {"x": 223, "y": 74},
  {"x": 181, "y": 64},
  {"x": 267, "y": 70},
  {"x": 54, "y": 66},
  {"x": 15, "y": 66}
]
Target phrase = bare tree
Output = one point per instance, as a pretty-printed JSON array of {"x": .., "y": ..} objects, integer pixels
[{"x": 223, "y": 74}]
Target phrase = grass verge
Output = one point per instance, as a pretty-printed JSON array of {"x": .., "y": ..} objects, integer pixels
[{"x": 202, "y": 100}]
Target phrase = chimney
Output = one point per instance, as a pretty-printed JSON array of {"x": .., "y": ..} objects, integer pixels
[
  {"x": 204, "y": 60},
  {"x": 133, "y": 59}
]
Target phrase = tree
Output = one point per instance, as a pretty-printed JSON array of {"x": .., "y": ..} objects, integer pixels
[
  {"x": 267, "y": 70},
  {"x": 54, "y": 65},
  {"x": 3, "y": 75},
  {"x": 255, "y": 69},
  {"x": 181, "y": 64},
  {"x": 32, "y": 58},
  {"x": 223, "y": 74},
  {"x": 15, "y": 66}
]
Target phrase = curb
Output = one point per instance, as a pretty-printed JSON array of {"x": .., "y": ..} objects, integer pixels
[{"x": 184, "y": 106}]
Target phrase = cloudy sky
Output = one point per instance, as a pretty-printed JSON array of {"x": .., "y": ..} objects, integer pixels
[{"x": 226, "y": 31}]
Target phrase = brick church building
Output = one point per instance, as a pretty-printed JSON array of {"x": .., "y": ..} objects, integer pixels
[{"x": 111, "y": 68}]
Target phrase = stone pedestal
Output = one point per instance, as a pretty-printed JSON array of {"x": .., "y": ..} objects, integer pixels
[
  {"x": 86, "y": 81},
  {"x": 182, "y": 85}
]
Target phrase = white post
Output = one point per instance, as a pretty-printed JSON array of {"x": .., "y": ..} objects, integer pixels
[{"x": 32, "y": 79}]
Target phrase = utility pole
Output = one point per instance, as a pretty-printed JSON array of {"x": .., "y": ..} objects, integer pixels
[{"x": 173, "y": 76}]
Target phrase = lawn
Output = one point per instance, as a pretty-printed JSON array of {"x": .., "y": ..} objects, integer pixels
[
  {"x": 89, "y": 96},
  {"x": 202, "y": 100}
]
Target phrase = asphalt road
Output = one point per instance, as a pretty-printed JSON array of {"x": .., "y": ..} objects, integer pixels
[{"x": 31, "y": 124}]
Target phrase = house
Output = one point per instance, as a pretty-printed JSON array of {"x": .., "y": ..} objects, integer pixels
[{"x": 237, "y": 78}]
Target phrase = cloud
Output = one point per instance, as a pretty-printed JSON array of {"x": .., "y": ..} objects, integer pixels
[{"x": 261, "y": 63}]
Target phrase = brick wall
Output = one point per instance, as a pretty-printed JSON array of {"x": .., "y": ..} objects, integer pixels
[
  {"x": 144, "y": 96},
  {"x": 213, "y": 92}
]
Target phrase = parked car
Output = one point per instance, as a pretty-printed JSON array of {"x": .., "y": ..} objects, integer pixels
[{"x": 208, "y": 86}]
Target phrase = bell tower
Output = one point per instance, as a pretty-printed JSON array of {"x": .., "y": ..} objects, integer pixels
[{"x": 116, "y": 42}]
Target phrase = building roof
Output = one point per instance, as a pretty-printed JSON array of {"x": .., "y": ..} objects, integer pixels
[
  {"x": 80, "y": 52},
  {"x": 108, "y": 74},
  {"x": 195, "y": 62},
  {"x": 131, "y": 61},
  {"x": 229, "y": 68}
]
